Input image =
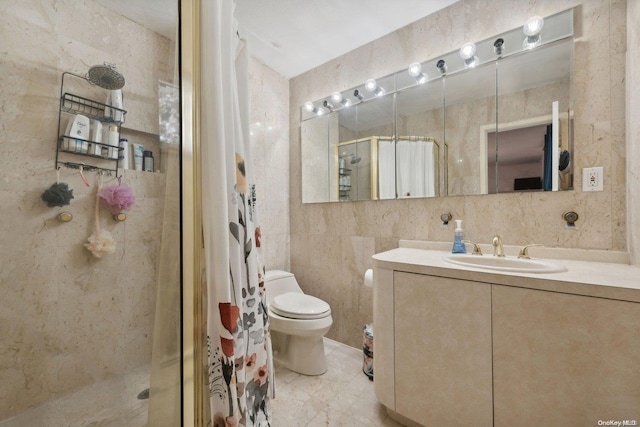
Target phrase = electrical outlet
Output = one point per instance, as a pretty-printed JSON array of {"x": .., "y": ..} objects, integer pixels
[{"x": 592, "y": 179}]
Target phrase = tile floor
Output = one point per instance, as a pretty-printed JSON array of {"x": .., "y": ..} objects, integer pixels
[{"x": 343, "y": 396}]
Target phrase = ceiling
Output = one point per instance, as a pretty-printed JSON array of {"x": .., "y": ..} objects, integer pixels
[{"x": 294, "y": 36}]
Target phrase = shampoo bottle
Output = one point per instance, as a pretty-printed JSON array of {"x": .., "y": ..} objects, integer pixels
[
  {"x": 138, "y": 153},
  {"x": 123, "y": 156},
  {"x": 78, "y": 127},
  {"x": 116, "y": 101},
  {"x": 458, "y": 245},
  {"x": 108, "y": 111},
  {"x": 147, "y": 161},
  {"x": 96, "y": 137},
  {"x": 114, "y": 142}
]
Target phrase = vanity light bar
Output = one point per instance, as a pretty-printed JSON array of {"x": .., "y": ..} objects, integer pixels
[
  {"x": 327, "y": 105},
  {"x": 415, "y": 71},
  {"x": 468, "y": 54},
  {"x": 372, "y": 86},
  {"x": 532, "y": 29},
  {"x": 337, "y": 97},
  {"x": 337, "y": 101},
  {"x": 498, "y": 46},
  {"x": 308, "y": 106}
]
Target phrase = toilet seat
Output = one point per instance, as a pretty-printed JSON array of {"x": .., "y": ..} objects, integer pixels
[{"x": 299, "y": 306}]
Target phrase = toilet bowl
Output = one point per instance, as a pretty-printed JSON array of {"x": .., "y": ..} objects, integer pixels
[{"x": 298, "y": 324}]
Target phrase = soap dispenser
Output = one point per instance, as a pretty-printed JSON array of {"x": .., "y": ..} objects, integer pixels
[{"x": 458, "y": 244}]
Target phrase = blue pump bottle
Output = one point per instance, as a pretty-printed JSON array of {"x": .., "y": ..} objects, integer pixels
[{"x": 458, "y": 245}]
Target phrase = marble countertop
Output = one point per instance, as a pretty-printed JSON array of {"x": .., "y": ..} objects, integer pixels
[{"x": 611, "y": 280}]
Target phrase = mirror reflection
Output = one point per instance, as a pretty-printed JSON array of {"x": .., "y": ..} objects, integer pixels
[
  {"x": 493, "y": 117},
  {"x": 316, "y": 181},
  {"x": 374, "y": 129},
  {"x": 420, "y": 150},
  {"x": 470, "y": 103},
  {"x": 534, "y": 105}
]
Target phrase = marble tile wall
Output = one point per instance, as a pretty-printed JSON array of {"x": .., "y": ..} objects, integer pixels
[
  {"x": 269, "y": 93},
  {"x": 331, "y": 243},
  {"x": 633, "y": 130},
  {"x": 68, "y": 319}
]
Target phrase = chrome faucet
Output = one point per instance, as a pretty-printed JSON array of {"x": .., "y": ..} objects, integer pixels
[{"x": 498, "y": 250}]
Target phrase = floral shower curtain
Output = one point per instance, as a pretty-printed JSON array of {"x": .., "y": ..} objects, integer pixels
[{"x": 239, "y": 348}]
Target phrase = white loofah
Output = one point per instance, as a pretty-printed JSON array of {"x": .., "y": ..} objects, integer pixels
[{"x": 101, "y": 243}]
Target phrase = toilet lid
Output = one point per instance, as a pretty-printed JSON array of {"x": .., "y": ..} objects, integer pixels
[{"x": 299, "y": 306}]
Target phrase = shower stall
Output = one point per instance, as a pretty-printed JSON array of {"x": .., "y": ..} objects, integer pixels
[{"x": 87, "y": 340}]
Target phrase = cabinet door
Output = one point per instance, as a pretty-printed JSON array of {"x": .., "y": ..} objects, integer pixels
[
  {"x": 442, "y": 350},
  {"x": 564, "y": 359}
]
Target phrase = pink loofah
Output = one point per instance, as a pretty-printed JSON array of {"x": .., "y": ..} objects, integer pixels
[{"x": 117, "y": 198}]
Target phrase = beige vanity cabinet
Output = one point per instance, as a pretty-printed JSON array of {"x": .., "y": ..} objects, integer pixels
[
  {"x": 442, "y": 350},
  {"x": 454, "y": 352},
  {"x": 561, "y": 359}
]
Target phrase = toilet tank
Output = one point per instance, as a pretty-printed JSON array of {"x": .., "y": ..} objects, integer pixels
[{"x": 277, "y": 282}]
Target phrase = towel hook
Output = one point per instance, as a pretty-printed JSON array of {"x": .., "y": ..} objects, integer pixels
[
  {"x": 570, "y": 218},
  {"x": 446, "y": 217}
]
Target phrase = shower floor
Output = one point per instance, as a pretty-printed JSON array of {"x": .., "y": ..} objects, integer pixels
[
  {"x": 342, "y": 396},
  {"x": 110, "y": 403}
]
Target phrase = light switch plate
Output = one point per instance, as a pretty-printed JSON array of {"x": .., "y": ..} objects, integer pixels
[{"x": 592, "y": 179}]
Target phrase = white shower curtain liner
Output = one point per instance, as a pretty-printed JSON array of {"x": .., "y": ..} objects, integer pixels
[
  {"x": 408, "y": 169},
  {"x": 415, "y": 168},
  {"x": 240, "y": 362},
  {"x": 387, "y": 169}
]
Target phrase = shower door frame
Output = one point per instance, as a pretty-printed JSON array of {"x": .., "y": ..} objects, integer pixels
[
  {"x": 373, "y": 143},
  {"x": 193, "y": 316}
]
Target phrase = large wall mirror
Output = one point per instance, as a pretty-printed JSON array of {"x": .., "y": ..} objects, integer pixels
[{"x": 495, "y": 117}]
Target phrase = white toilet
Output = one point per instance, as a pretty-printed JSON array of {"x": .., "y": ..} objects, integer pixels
[{"x": 298, "y": 324}]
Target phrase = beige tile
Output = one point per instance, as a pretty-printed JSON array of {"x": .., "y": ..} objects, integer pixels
[
  {"x": 66, "y": 313},
  {"x": 342, "y": 396}
]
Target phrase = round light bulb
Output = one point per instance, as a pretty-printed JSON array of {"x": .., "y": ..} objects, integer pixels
[
  {"x": 467, "y": 51},
  {"x": 308, "y": 106},
  {"x": 370, "y": 85},
  {"x": 415, "y": 69},
  {"x": 533, "y": 26},
  {"x": 336, "y": 96}
]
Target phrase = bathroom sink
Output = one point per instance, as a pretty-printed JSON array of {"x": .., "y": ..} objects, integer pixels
[{"x": 510, "y": 264}]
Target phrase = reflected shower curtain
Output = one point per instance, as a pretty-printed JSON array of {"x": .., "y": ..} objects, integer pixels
[
  {"x": 386, "y": 169},
  {"x": 239, "y": 349},
  {"x": 416, "y": 168}
]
